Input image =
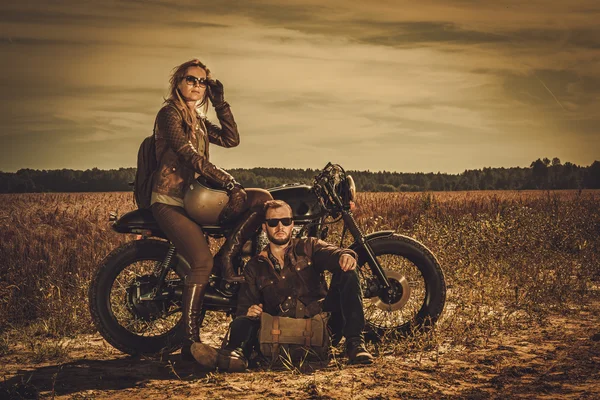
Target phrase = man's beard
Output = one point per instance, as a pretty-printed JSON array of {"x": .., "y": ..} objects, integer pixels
[{"x": 279, "y": 241}]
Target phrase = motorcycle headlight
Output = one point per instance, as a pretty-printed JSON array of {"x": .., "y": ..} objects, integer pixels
[{"x": 351, "y": 187}]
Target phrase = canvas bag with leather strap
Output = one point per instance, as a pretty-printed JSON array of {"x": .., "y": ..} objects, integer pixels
[{"x": 294, "y": 339}]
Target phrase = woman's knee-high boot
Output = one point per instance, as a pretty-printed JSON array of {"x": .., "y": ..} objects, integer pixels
[{"x": 193, "y": 296}]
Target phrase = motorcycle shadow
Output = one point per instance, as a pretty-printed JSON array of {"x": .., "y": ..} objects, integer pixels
[{"x": 88, "y": 375}]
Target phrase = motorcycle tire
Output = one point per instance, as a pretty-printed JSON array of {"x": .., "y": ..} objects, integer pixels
[
  {"x": 103, "y": 313},
  {"x": 418, "y": 273}
]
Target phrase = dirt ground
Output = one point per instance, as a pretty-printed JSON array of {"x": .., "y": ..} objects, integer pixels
[{"x": 559, "y": 359}]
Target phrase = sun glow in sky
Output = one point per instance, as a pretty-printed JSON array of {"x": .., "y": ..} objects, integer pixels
[{"x": 402, "y": 86}]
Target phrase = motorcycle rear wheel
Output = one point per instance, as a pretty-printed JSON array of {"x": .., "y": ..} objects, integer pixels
[
  {"x": 413, "y": 269},
  {"x": 136, "y": 327}
]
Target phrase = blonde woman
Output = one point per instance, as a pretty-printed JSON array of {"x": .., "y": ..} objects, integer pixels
[{"x": 182, "y": 137}]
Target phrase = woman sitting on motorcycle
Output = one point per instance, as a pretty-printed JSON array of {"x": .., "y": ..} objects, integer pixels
[{"x": 182, "y": 137}]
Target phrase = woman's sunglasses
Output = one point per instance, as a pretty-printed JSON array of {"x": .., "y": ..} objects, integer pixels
[
  {"x": 193, "y": 81},
  {"x": 273, "y": 222}
]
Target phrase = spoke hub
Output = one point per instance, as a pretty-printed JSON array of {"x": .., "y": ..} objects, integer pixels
[
  {"x": 141, "y": 300},
  {"x": 396, "y": 296}
]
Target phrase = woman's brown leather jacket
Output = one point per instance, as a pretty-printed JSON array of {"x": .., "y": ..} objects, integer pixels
[{"x": 177, "y": 154}]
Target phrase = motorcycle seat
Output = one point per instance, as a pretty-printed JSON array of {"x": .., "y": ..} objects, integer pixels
[{"x": 138, "y": 221}]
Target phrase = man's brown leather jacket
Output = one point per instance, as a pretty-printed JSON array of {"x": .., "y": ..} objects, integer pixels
[
  {"x": 177, "y": 154},
  {"x": 300, "y": 280}
]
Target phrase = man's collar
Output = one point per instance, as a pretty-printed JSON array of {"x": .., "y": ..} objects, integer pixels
[
  {"x": 267, "y": 249},
  {"x": 285, "y": 250}
]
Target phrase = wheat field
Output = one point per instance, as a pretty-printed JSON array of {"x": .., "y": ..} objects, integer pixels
[
  {"x": 510, "y": 252},
  {"x": 511, "y": 259}
]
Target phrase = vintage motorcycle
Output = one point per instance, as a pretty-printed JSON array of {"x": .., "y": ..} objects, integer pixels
[{"x": 135, "y": 294}]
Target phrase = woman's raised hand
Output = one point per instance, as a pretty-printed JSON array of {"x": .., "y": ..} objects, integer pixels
[{"x": 216, "y": 93}]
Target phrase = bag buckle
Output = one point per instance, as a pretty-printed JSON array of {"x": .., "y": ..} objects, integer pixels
[{"x": 289, "y": 304}]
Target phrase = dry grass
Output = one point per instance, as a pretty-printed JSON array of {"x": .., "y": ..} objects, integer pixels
[
  {"x": 51, "y": 244},
  {"x": 509, "y": 259}
]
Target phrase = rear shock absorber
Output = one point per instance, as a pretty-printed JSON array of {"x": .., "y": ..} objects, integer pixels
[{"x": 159, "y": 267}]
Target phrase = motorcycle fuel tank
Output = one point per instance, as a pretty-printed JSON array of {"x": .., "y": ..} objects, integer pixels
[{"x": 304, "y": 203}]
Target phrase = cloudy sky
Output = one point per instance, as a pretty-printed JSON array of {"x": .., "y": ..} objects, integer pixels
[{"x": 434, "y": 85}]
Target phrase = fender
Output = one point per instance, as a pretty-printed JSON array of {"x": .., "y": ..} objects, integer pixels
[{"x": 371, "y": 236}]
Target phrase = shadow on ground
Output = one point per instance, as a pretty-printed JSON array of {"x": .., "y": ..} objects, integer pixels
[
  {"x": 104, "y": 375},
  {"x": 87, "y": 375}
]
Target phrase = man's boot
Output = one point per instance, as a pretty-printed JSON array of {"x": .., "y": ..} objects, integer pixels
[
  {"x": 224, "y": 359},
  {"x": 251, "y": 221},
  {"x": 356, "y": 351},
  {"x": 193, "y": 296}
]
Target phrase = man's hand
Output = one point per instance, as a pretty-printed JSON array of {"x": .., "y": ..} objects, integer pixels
[
  {"x": 254, "y": 311},
  {"x": 347, "y": 262}
]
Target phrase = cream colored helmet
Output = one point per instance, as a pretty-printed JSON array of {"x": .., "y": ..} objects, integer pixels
[{"x": 204, "y": 204}]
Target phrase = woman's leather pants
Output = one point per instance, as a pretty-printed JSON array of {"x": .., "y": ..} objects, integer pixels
[{"x": 190, "y": 242}]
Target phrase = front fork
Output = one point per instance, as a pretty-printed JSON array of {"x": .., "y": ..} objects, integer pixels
[{"x": 359, "y": 238}]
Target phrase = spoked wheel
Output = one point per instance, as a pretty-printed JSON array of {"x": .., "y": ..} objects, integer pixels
[
  {"x": 417, "y": 294},
  {"x": 126, "y": 307}
]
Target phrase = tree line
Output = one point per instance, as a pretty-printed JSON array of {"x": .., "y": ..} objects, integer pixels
[{"x": 541, "y": 174}]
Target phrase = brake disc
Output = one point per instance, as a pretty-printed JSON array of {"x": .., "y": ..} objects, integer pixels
[{"x": 401, "y": 284}]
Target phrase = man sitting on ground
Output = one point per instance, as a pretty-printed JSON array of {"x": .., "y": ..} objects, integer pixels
[{"x": 285, "y": 279}]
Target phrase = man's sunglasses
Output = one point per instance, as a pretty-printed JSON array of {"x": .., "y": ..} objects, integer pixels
[
  {"x": 273, "y": 222},
  {"x": 193, "y": 81}
]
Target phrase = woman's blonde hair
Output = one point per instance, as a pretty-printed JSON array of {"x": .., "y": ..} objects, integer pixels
[{"x": 175, "y": 97}]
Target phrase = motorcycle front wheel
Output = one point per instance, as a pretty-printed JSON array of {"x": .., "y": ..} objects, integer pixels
[
  {"x": 123, "y": 304},
  {"x": 418, "y": 287}
]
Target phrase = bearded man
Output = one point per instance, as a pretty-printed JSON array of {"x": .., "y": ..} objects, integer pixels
[{"x": 286, "y": 279}]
